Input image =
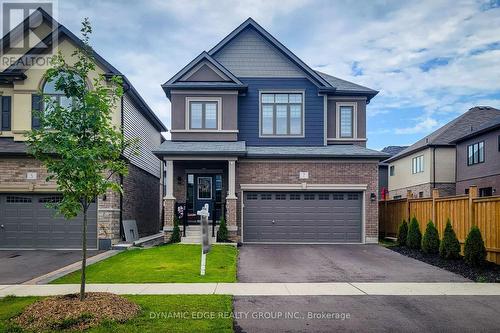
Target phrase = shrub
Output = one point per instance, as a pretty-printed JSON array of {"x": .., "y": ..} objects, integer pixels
[
  {"x": 449, "y": 247},
  {"x": 402, "y": 233},
  {"x": 414, "y": 238},
  {"x": 222, "y": 233},
  {"x": 176, "y": 232},
  {"x": 474, "y": 250},
  {"x": 430, "y": 241}
]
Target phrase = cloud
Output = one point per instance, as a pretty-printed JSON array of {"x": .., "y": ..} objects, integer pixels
[{"x": 431, "y": 60}]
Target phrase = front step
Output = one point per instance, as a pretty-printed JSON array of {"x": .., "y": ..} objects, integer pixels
[{"x": 193, "y": 234}]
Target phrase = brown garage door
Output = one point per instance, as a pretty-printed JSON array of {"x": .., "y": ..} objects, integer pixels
[
  {"x": 26, "y": 222},
  {"x": 302, "y": 217}
]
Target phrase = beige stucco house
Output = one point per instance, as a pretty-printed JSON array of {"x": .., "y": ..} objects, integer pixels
[{"x": 430, "y": 162}]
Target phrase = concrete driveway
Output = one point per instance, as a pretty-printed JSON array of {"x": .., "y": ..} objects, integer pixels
[
  {"x": 334, "y": 263},
  {"x": 18, "y": 266}
]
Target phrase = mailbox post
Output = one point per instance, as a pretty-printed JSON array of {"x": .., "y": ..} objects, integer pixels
[{"x": 205, "y": 238}]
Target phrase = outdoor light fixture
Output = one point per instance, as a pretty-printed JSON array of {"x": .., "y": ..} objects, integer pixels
[{"x": 373, "y": 196}]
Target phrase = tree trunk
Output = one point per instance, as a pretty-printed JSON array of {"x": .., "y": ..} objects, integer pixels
[{"x": 84, "y": 252}]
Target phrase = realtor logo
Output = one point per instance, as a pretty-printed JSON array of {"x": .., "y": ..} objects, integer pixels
[{"x": 25, "y": 40}]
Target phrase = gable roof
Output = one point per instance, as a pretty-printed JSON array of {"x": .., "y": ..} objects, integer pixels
[
  {"x": 61, "y": 31},
  {"x": 447, "y": 134},
  {"x": 342, "y": 86},
  {"x": 317, "y": 79},
  {"x": 485, "y": 128},
  {"x": 174, "y": 82}
]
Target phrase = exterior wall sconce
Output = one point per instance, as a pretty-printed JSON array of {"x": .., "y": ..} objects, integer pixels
[
  {"x": 373, "y": 197},
  {"x": 179, "y": 180}
]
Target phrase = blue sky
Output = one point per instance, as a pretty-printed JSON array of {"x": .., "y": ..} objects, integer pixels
[{"x": 431, "y": 60}]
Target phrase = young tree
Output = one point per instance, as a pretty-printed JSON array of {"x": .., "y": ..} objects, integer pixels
[
  {"x": 474, "y": 250},
  {"x": 76, "y": 140},
  {"x": 402, "y": 233},
  {"x": 414, "y": 238},
  {"x": 430, "y": 241},
  {"x": 450, "y": 246}
]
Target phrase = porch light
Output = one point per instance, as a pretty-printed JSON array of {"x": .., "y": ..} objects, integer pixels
[{"x": 373, "y": 196}]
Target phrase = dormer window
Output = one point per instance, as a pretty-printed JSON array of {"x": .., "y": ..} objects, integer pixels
[
  {"x": 203, "y": 113},
  {"x": 281, "y": 114}
]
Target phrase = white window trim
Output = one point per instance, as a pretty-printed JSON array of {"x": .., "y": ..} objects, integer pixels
[
  {"x": 283, "y": 136},
  {"x": 354, "y": 105},
  {"x": 422, "y": 164},
  {"x": 203, "y": 99}
]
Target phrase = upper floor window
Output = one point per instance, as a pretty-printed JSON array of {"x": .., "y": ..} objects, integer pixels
[
  {"x": 346, "y": 120},
  {"x": 58, "y": 96},
  {"x": 282, "y": 114},
  {"x": 475, "y": 153},
  {"x": 417, "y": 164},
  {"x": 391, "y": 170},
  {"x": 203, "y": 113}
]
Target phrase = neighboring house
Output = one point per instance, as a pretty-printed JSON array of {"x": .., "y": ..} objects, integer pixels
[
  {"x": 25, "y": 221},
  {"x": 478, "y": 159},
  {"x": 383, "y": 171},
  {"x": 275, "y": 146},
  {"x": 430, "y": 162}
]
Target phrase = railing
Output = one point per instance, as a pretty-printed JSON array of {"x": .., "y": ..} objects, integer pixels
[
  {"x": 182, "y": 214},
  {"x": 214, "y": 218}
]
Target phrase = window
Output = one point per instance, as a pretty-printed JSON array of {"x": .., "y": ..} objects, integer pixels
[
  {"x": 252, "y": 196},
  {"x": 280, "y": 196},
  {"x": 346, "y": 122},
  {"x": 51, "y": 199},
  {"x": 486, "y": 192},
  {"x": 56, "y": 95},
  {"x": 15, "y": 199},
  {"x": 203, "y": 114},
  {"x": 338, "y": 196},
  {"x": 397, "y": 197},
  {"x": 265, "y": 196},
  {"x": 391, "y": 170},
  {"x": 294, "y": 196},
  {"x": 309, "y": 196},
  {"x": 417, "y": 164},
  {"x": 323, "y": 196},
  {"x": 205, "y": 188},
  {"x": 352, "y": 196},
  {"x": 475, "y": 153},
  {"x": 420, "y": 194},
  {"x": 282, "y": 114}
]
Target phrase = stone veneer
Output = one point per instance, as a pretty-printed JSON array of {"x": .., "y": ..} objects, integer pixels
[{"x": 320, "y": 172}]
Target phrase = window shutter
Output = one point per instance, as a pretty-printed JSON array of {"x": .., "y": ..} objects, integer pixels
[
  {"x": 36, "y": 103},
  {"x": 6, "y": 112}
]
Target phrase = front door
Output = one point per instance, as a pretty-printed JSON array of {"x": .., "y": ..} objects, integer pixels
[{"x": 204, "y": 188}]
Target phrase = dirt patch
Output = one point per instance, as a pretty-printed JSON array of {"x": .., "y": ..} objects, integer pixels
[
  {"x": 68, "y": 312},
  {"x": 489, "y": 272}
]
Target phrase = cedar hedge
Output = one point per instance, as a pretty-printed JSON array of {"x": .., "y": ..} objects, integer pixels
[
  {"x": 474, "y": 250},
  {"x": 402, "y": 233},
  {"x": 430, "y": 241},
  {"x": 414, "y": 238},
  {"x": 449, "y": 247}
]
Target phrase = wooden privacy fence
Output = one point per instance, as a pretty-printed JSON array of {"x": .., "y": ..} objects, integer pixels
[{"x": 464, "y": 211}]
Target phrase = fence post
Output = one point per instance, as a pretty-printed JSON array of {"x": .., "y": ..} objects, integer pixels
[
  {"x": 435, "y": 195},
  {"x": 472, "y": 196},
  {"x": 409, "y": 195}
]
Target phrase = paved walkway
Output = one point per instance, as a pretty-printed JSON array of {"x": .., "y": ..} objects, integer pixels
[{"x": 266, "y": 289}]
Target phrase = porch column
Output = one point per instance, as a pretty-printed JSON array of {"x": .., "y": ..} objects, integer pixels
[
  {"x": 231, "y": 202},
  {"x": 169, "y": 201}
]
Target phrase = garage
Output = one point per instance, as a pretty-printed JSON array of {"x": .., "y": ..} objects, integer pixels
[
  {"x": 27, "y": 223},
  {"x": 302, "y": 217}
]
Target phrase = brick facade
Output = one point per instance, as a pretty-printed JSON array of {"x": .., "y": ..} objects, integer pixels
[
  {"x": 13, "y": 178},
  {"x": 141, "y": 200},
  {"x": 168, "y": 218},
  {"x": 320, "y": 172},
  {"x": 445, "y": 189}
]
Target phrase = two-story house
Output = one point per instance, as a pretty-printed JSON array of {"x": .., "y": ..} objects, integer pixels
[
  {"x": 478, "y": 159},
  {"x": 430, "y": 162},
  {"x": 275, "y": 146},
  {"x": 25, "y": 220}
]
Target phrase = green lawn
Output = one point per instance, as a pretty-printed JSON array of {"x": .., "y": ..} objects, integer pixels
[
  {"x": 152, "y": 307},
  {"x": 167, "y": 263}
]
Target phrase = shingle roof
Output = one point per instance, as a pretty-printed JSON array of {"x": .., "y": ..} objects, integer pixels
[
  {"x": 489, "y": 126},
  {"x": 458, "y": 127},
  {"x": 345, "y": 86},
  {"x": 393, "y": 150},
  {"x": 339, "y": 151},
  {"x": 10, "y": 147},
  {"x": 176, "y": 148}
]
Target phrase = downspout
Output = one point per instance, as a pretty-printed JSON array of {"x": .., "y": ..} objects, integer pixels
[
  {"x": 122, "y": 232},
  {"x": 433, "y": 167}
]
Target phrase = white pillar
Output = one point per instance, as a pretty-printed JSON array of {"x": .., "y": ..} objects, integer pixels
[
  {"x": 170, "y": 179},
  {"x": 231, "y": 180}
]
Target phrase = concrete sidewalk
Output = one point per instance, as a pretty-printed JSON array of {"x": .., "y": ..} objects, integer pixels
[{"x": 265, "y": 289}]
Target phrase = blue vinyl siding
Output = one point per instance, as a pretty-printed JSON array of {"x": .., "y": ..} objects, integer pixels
[{"x": 248, "y": 112}]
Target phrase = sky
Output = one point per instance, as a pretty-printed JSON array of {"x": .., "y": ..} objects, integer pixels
[{"x": 430, "y": 60}]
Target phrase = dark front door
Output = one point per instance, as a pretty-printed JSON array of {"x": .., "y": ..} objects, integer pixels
[{"x": 204, "y": 189}]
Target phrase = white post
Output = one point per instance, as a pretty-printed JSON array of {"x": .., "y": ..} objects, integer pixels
[
  {"x": 170, "y": 179},
  {"x": 231, "y": 180},
  {"x": 203, "y": 262},
  {"x": 205, "y": 240}
]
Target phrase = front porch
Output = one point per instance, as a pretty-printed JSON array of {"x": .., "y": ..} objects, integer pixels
[{"x": 193, "y": 182}]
